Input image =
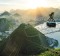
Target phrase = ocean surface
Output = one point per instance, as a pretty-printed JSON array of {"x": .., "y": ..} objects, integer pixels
[{"x": 53, "y": 32}]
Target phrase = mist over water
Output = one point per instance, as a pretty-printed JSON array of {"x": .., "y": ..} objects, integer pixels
[{"x": 50, "y": 32}]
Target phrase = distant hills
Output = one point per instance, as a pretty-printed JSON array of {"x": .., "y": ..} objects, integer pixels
[
  {"x": 5, "y": 13},
  {"x": 33, "y": 16}
]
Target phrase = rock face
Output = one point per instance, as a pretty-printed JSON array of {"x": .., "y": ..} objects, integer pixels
[{"x": 25, "y": 40}]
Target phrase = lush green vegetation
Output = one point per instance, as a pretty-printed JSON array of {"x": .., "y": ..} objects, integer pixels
[
  {"x": 52, "y": 52},
  {"x": 25, "y": 40}
]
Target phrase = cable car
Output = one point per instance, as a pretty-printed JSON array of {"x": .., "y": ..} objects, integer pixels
[{"x": 51, "y": 23}]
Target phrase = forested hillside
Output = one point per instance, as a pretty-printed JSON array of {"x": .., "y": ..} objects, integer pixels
[{"x": 26, "y": 40}]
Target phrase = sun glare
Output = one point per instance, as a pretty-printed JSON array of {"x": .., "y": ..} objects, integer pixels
[{"x": 36, "y": 3}]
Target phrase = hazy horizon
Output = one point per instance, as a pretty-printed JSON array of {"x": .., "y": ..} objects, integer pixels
[{"x": 27, "y": 4}]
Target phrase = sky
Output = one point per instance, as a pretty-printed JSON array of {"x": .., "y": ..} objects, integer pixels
[{"x": 27, "y": 4}]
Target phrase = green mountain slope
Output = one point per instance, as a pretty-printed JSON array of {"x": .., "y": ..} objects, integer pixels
[{"x": 25, "y": 40}]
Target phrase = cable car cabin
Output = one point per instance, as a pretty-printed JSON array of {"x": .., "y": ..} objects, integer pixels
[{"x": 51, "y": 24}]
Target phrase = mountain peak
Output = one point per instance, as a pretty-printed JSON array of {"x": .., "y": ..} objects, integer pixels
[{"x": 5, "y": 13}]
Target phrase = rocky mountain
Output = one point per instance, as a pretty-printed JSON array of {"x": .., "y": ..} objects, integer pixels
[{"x": 25, "y": 40}]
